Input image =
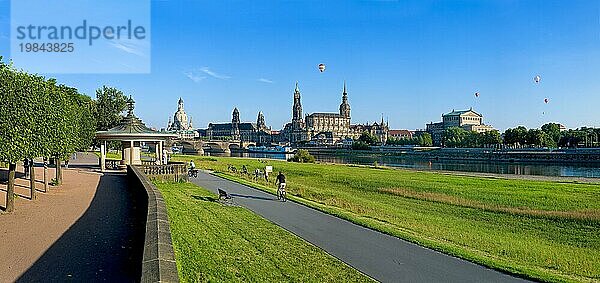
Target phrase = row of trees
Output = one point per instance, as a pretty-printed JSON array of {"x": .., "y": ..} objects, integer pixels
[
  {"x": 549, "y": 135},
  {"x": 423, "y": 139},
  {"x": 41, "y": 118},
  {"x": 366, "y": 140},
  {"x": 459, "y": 137}
]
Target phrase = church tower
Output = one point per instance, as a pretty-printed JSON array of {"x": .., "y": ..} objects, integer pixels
[
  {"x": 345, "y": 107},
  {"x": 260, "y": 121},
  {"x": 297, "y": 108},
  {"x": 235, "y": 124}
]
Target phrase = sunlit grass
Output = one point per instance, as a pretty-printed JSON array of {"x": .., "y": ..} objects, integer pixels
[
  {"x": 543, "y": 230},
  {"x": 214, "y": 242}
]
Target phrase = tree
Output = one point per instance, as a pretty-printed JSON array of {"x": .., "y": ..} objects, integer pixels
[
  {"x": 514, "y": 136},
  {"x": 302, "y": 156},
  {"x": 454, "y": 137},
  {"x": 110, "y": 103},
  {"x": 368, "y": 138},
  {"x": 426, "y": 139},
  {"x": 360, "y": 145},
  {"x": 553, "y": 132},
  {"x": 490, "y": 138},
  {"x": 536, "y": 137},
  {"x": 21, "y": 99}
]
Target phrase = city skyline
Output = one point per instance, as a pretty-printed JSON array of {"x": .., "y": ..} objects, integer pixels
[{"x": 411, "y": 61}]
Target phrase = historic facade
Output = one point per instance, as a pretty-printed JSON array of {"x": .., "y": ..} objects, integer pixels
[
  {"x": 237, "y": 131},
  {"x": 327, "y": 128},
  {"x": 466, "y": 119}
]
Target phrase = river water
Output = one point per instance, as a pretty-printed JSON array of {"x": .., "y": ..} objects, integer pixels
[{"x": 588, "y": 170}]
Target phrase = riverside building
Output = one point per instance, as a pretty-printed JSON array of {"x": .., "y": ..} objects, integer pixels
[{"x": 466, "y": 119}]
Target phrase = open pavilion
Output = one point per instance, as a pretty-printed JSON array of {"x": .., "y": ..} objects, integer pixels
[{"x": 132, "y": 133}]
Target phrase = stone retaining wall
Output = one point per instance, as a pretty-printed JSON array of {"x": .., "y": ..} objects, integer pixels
[{"x": 158, "y": 263}]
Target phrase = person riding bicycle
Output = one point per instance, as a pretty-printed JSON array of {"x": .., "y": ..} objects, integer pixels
[
  {"x": 192, "y": 172},
  {"x": 281, "y": 181}
]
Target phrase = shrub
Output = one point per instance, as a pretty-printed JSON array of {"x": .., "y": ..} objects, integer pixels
[
  {"x": 360, "y": 145},
  {"x": 302, "y": 156}
]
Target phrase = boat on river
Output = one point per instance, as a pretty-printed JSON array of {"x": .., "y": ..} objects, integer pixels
[{"x": 271, "y": 149}]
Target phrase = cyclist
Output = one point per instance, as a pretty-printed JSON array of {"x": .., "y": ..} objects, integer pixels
[
  {"x": 281, "y": 187},
  {"x": 192, "y": 172}
]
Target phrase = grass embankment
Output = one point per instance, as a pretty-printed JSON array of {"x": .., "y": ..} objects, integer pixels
[
  {"x": 220, "y": 243},
  {"x": 544, "y": 230}
]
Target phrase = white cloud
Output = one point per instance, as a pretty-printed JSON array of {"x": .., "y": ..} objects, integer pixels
[
  {"x": 194, "y": 76},
  {"x": 207, "y": 71},
  {"x": 127, "y": 47},
  {"x": 265, "y": 80}
]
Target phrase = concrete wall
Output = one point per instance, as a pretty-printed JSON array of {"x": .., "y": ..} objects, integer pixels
[{"x": 158, "y": 263}]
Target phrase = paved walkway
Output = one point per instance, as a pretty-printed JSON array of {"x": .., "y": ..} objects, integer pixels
[
  {"x": 84, "y": 230},
  {"x": 383, "y": 257}
]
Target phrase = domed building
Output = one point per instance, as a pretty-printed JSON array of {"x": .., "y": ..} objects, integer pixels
[
  {"x": 180, "y": 119},
  {"x": 181, "y": 124}
]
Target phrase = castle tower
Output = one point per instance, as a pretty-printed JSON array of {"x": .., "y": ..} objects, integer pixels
[{"x": 345, "y": 107}]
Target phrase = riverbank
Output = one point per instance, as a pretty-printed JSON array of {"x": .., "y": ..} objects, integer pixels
[
  {"x": 533, "y": 155},
  {"x": 537, "y": 229}
]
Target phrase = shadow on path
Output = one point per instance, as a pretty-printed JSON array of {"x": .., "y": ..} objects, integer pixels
[
  {"x": 253, "y": 197},
  {"x": 105, "y": 244}
]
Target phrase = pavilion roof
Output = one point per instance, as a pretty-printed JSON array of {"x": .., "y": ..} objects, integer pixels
[{"x": 132, "y": 127}]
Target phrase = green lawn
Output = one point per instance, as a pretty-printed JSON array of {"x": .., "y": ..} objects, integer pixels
[
  {"x": 544, "y": 230},
  {"x": 110, "y": 154},
  {"x": 220, "y": 243}
]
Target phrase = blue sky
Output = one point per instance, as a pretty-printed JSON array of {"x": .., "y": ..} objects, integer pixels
[{"x": 410, "y": 60}]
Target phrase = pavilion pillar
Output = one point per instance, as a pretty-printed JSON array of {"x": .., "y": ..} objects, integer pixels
[
  {"x": 131, "y": 153},
  {"x": 103, "y": 156},
  {"x": 157, "y": 153},
  {"x": 162, "y": 161}
]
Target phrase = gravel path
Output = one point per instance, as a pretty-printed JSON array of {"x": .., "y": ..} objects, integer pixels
[{"x": 84, "y": 230}]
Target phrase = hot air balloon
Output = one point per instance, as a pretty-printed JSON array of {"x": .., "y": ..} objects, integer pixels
[
  {"x": 477, "y": 94},
  {"x": 322, "y": 67},
  {"x": 537, "y": 79},
  {"x": 546, "y": 100}
]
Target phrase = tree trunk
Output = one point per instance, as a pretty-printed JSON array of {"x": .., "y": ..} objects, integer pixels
[
  {"x": 10, "y": 192},
  {"x": 32, "y": 180},
  {"x": 45, "y": 176},
  {"x": 58, "y": 172}
]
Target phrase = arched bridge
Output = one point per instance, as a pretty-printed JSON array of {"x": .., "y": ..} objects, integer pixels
[{"x": 200, "y": 146}]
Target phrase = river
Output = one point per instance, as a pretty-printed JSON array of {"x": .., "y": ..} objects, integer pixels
[{"x": 587, "y": 170}]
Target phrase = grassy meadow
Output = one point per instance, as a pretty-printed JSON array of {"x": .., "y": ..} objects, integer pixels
[
  {"x": 214, "y": 242},
  {"x": 548, "y": 231}
]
